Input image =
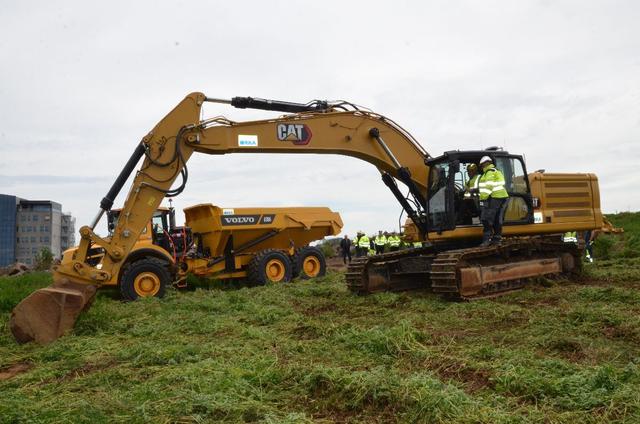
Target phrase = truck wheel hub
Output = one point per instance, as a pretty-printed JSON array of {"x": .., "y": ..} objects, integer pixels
[
  {"x": 275, "y": 270},
  {"x": 146, "y": 284},
  {"x": 311, "y": 266}
]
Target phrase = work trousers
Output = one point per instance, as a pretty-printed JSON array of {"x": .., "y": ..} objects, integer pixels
[
  {"x": 346, "y": 254},
  {"x": 379, "y": 249},
  {"x": 491, "y": 216}
]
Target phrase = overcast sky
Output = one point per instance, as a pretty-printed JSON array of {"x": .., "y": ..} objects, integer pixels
[{"x": 81, "y": 82}]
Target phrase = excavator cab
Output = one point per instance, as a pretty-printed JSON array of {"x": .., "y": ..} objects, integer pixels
[{"x": 451, "y": 205}]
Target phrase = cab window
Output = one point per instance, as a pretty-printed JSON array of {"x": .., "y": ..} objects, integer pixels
[
  {"x": 438, "y": 178},
  {"x": 157, "y": 224},
  {"x": 515, "y": 179},
  {"x": 518, "y": 208}
]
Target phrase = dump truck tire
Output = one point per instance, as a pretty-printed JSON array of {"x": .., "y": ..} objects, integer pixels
[
  {"x": 146, "y": 277},
  {"x": 309, "y": 262},
  {"x": 269, "y": 265}
]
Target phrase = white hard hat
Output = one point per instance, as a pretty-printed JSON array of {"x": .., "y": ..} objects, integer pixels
[{"x": 485, "y": 159}]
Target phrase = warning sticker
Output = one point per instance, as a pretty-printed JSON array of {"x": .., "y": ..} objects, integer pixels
[{"x": 227, "y": 212}]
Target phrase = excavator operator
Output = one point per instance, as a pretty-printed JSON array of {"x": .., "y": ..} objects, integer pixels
[
  {"x": 472, "y": 172},
  {"x": 468, "y": 202}
]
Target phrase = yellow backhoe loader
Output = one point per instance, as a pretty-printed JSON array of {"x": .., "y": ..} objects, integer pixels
[{"x": 541, "y": 206}]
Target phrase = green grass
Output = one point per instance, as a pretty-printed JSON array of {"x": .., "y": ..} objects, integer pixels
[
  {"x": 556, "y": 352},
  {"x": 630, "y": 221},
  {"x": 626, "y": 245},
  {"x": 311, "y": 352}
]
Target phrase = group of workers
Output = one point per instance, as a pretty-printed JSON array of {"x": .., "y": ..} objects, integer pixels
[{"x": 374, "y": 245}]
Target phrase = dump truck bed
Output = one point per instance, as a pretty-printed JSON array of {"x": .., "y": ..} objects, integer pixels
[{"x": 235, "y": 234}]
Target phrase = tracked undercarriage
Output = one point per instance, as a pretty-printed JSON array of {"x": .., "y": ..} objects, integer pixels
[{"x": 465, "y": 273}]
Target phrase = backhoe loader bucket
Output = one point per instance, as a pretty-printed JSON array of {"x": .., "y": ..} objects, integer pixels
[{"x": 48, "y": 313}]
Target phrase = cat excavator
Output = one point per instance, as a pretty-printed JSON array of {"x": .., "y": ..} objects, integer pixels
[{"x": 430, "y": 190}]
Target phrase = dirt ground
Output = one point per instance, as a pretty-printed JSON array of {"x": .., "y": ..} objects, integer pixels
[{"x": 335, "y": 264}]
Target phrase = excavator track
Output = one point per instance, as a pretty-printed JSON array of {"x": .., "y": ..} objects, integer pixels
[
  {"x": 468, "y": 273},
  {"x": 394, "y": 271},
  {"x": 354, "y": 277}
]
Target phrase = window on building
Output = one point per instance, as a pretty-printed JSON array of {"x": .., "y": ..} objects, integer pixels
[
  {"x": 33, "y": 239},
  {"x": 46, "y": 239},
  {"x": 46, "y": 228},
  {"x": 42, "y": 208},
  {"x": 28, "y": 261},
  {"x": 35, "y": 217},
  {"x": 23, "y": 218}
]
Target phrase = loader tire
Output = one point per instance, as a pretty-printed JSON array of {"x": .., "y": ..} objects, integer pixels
[
  {"x": 269, "y": 265},
  {"x": 146, "y": 277},
  {"x": 309, "y": 262}
]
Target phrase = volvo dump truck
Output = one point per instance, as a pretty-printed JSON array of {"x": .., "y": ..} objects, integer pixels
[
  {"x": 541, "y": 205},
  {"x": 259, "y": 244}
]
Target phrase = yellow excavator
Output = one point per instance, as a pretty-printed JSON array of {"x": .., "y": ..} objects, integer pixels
[{"x": 540, "y": 207}]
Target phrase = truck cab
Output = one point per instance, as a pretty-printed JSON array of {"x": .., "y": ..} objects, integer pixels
[{"x": 161, "y": 231}]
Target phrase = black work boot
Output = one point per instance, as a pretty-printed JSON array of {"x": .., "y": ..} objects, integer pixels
[{"x": 485, "y": 242}]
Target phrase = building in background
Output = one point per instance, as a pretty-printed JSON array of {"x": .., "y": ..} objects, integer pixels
[
  {"x": 26, "y": 226},
  {"x": 67, "y": 232},
  {"x": 8, "y": 226}
]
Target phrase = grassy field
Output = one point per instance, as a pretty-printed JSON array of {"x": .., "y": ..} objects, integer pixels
[{"x": 557, "y": 351}]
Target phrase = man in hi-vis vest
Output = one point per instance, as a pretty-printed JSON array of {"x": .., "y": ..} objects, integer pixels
[{"x": 493, "y": 199}]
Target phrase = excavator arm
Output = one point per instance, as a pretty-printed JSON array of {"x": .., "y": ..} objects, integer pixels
[
  {"x": 168, "y": 147},
  {"x": 317, "y": 127}
]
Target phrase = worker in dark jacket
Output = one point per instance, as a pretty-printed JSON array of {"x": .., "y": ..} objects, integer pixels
[{"x": 345, "y": 247}]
